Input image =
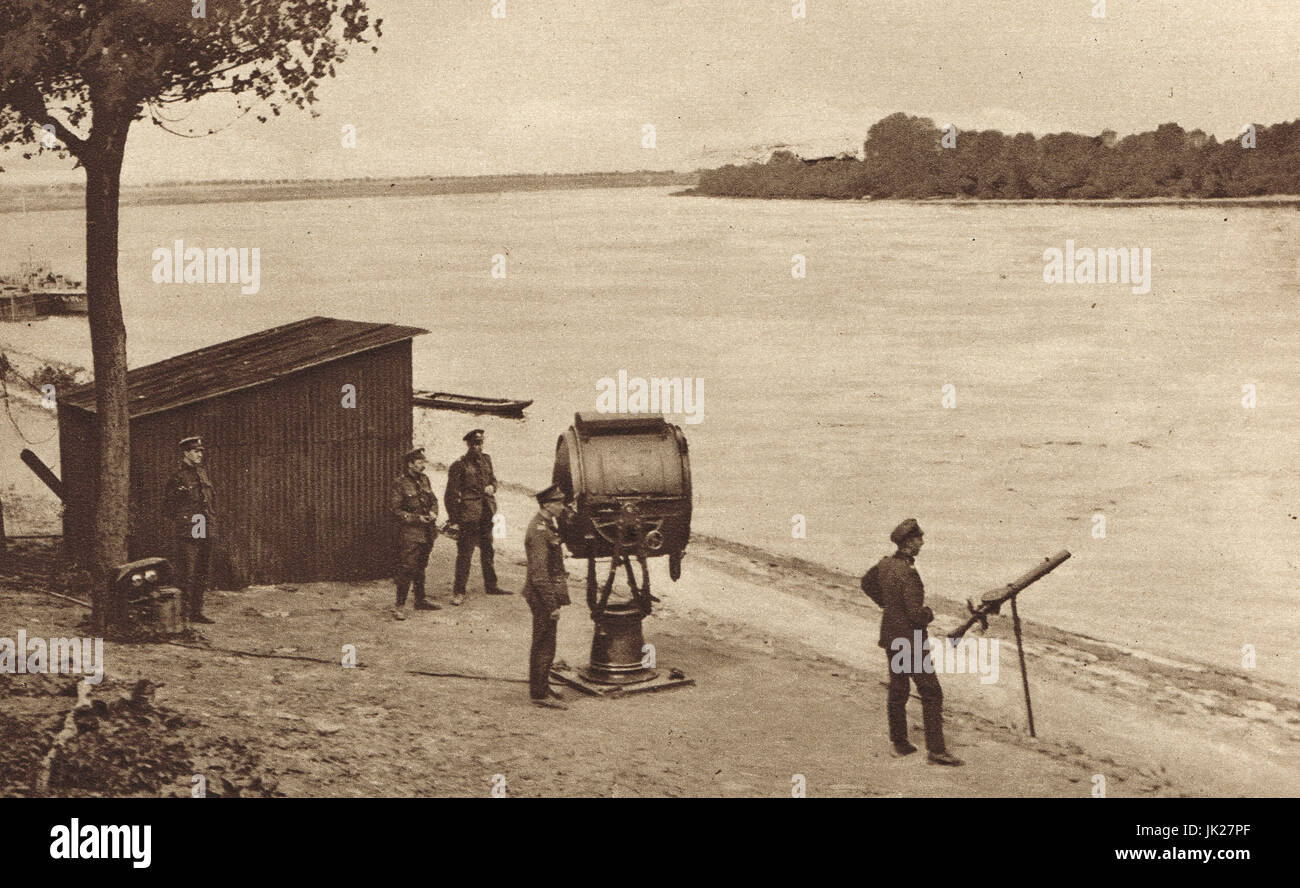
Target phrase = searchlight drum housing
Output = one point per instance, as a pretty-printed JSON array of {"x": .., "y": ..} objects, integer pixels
[{"x": 628, "y": 481}]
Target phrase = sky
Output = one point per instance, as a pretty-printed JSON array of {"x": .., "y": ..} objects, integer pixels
[{"x": 569, "y": 85}]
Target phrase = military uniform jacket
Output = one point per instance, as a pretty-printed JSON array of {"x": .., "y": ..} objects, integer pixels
[
  {"x": 547, "y": 585},
  {"x": 411, "y": 499},
  {"x": 903, "y": 598},
  {"x": 465, "y": 496},
  {"x": 189, "y": 492}
]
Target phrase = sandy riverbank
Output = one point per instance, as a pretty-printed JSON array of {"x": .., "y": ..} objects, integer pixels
[
  {"x": 789, "y": 681},
  {"x": 438, "y": 706}
]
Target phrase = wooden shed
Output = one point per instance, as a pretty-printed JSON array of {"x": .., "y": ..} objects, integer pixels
[{"x": 301, "y": 479}]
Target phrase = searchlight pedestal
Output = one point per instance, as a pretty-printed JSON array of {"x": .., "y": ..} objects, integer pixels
[{"x": 628, "y": 479}]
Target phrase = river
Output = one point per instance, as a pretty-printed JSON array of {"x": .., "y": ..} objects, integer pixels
[{"x": 824, "y": 395}]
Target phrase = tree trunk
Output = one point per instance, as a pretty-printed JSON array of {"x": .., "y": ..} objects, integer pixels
[{"x": 103, "y": 162}]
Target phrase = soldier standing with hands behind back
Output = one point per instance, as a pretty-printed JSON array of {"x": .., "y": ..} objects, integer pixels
[
  {"x": 895, "y": 585},
  {"x": 471, "y": 502},
  {"x": 416, "y": 508}
]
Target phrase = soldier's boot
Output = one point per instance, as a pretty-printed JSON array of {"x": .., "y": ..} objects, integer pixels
[
  {"x": 932, "y": 715},
  {"x": 486, "y": 558},
  {"x": 196, "y": 607},
  {"x": 421, "y": 603},
  {"x": 490, "y": 585},
  {"x": 945, "y": 758},
  {"x": 403, "y": 585},
  {"x": 192, "y": 602}
]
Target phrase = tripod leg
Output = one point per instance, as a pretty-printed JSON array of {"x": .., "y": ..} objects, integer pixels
[
  {"x": 608, "y": 588},
  {"x": 646, "y": 599},
  {"x": 1024, "y": 676}
]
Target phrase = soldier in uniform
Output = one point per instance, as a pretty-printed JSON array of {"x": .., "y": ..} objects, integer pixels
[
  {"x": 896, "y": 586},
  {"x": 471, "y": 502},
  {"x": 546, "y": 590},
  {"x": 189, "y": 505},
  {"x": 416, "y": 509}
]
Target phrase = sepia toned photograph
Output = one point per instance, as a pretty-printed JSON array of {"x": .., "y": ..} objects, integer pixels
[{"x": 679, "y": 398}]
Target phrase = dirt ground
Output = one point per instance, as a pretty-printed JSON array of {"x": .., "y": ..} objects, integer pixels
[{"x": 260, "y": 704}]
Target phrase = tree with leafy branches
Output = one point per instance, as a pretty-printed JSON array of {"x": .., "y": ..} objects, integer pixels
[{"x": 75, "y": 75}]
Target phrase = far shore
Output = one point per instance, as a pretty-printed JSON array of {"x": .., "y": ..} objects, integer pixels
[
  {"x": 1265, "y": 201},
  {"x": 14, "y": 198},
  {"x": 38, "y": 198}
]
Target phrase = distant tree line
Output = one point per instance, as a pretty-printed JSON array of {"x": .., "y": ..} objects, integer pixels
[{"x": 910, "y": 157}]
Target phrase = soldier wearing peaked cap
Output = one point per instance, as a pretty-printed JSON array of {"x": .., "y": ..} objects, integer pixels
[
  {"x": 471, "y": 503},
  {"x": 189, "y": 504},
  {"x": 907, "y": 528},
  {"x": 416, "y": 509},
  {"x": 895, "y": 585},
  {"x": 546, "y": 590}
]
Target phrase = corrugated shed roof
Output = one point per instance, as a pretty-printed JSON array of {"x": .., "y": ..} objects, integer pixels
[{"x": 245, "y": 362}]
